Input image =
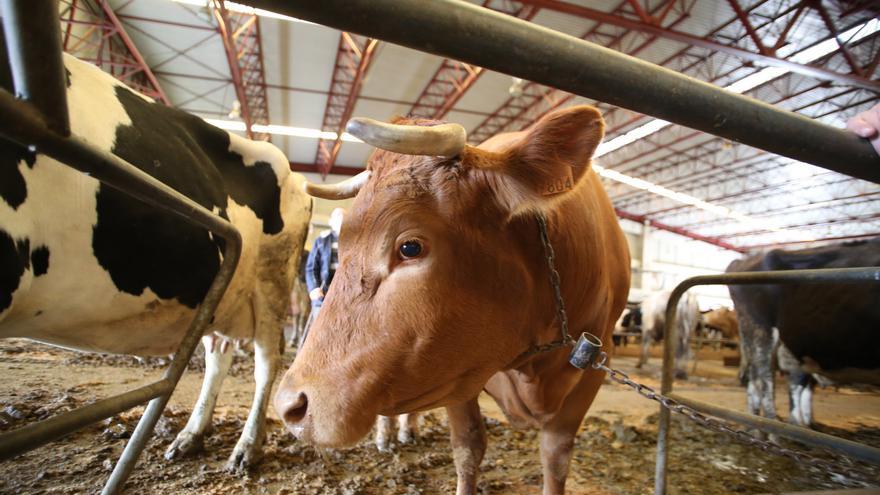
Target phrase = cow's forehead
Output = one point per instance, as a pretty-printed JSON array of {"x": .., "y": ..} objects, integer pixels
[{"x": 409, "y": 176}]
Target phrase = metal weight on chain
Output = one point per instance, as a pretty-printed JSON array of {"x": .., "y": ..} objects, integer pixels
[{"x": 585, "y": 352}]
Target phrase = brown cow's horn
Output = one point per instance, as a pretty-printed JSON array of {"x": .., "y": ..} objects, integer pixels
[
  {"x": 341, "y": 190},
  {"x": 437, "y": 140}
]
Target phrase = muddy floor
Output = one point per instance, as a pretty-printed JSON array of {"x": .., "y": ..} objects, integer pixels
[{"x": 614, "y": 453}]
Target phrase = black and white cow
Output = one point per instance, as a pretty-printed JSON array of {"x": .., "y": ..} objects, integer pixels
[
  {"x": 87, "y": 267},
  {"x": 828, "y": 330},
  {"x": 654, "y": 326}
]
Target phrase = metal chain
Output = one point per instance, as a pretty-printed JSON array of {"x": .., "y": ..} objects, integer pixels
[
  {"x": 557, "y": 291},
  {"x": 844, "y": 466}
]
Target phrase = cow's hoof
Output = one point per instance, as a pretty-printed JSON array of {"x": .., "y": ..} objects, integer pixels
[
  {"x": 184, "y": 445},
  {"x": 242, "y": 459},
  {"x": 638, "y": 365},
  {"x": 681, "y": 375},
  {"x": 383, "y": 447}
]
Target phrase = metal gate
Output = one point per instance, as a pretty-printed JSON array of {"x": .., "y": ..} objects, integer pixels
[{"x": 37, "y": 117}]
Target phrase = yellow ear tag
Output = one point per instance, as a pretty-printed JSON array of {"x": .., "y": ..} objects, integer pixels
[{"x": 559, "y": 185}]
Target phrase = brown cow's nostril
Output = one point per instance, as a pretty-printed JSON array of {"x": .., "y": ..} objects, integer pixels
[{"x": 295, "y": 410}]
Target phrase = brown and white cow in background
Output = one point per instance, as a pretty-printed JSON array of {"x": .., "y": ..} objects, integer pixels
[
  {"x": 87, "y": 267},
  {"x": 443, "y": 286},
  {"x": 654, "y": 326},
  {"x": 407, "y": 430},
  {"x": 721, "y": 323}
]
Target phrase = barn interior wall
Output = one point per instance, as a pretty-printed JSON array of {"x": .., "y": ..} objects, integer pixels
[{"x": 661, "y": 260}]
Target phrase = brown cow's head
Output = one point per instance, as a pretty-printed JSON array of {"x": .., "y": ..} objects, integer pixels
[{"x": 431, "y": 293}]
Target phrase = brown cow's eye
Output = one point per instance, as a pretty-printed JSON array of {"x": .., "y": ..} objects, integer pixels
[{"x": 410, "y": 249}]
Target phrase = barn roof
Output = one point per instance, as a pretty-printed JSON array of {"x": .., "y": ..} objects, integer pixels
[{"x": 309, "y": 78}]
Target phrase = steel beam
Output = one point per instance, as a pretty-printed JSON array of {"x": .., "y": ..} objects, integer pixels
[
  {"x": 758, "y": 58},
  {"x": 536, "y": 100},
  {"x": 516, "y": 47},
  {"x": 353, "y": 59},
  {"x": 453, "y": 79},
  {"x": 243, "y": 44},
  {"x": 114, "y": 48},
  {"x": 677, "y": 230}
]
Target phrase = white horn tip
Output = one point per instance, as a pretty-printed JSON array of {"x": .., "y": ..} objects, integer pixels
[{"x": 356, "y": 126}]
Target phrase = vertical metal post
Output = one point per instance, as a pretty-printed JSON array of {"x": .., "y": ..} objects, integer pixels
[
  {"x": 667, "y": 378},
  {"x": 811, "y": 276},
  {"x": 32, "y": 35},
  {"x": 145, "y": 426}
]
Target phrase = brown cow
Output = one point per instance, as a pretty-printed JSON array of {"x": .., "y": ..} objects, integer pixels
[
  {"x": 443, "y": 286},
  {"x": 723, "y": 320}
]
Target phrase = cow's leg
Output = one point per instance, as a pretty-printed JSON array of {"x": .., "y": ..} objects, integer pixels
[
  {"x": 468, "y": 435},
  {"x": 681, "y": 356},
  {"x": 800, "y": 396},
  {"x": 407, "y": 428},
  {"x": 759, "y": 350},
  {"x": 218, "y": 357},
  {"x": 383, "y": 432},
  {"x": 557, "y": 435},
  {"x": 266, "y": 356},
  {"x": 807, "y": 404},
  {"x": 646, "y": 344}
]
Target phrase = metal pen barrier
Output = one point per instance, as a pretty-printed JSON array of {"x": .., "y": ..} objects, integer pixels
[
  {"x": 800, "y": 434},
  {"x": 489, "y": 39},
  {"x": 38, "y": 119}
]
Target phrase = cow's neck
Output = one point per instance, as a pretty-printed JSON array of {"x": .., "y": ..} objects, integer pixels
[{"x": 579, "y": 241}]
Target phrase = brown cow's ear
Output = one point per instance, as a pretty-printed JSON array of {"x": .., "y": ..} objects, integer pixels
[{"x": 551, "y": 159}]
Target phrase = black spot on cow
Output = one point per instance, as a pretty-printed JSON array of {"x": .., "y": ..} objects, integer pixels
[
  {"x": 142, "y": 247},
  {"x": 40, "y": 260},
  {"x": 67, "y": 76},
  {"x": 14, "y": 260},
  {"x": 12, "y": 186},
  {"x": 13, "y": 189}
]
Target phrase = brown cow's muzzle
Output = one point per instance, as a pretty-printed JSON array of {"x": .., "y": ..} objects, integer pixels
[
  {"x": 325, "y": 413},
  {"x": 293, "y": 407}
]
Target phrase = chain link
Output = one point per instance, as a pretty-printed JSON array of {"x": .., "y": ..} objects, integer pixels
[
  {"x": 557, "y": 288},
  {"x": 844, "y": 466}
]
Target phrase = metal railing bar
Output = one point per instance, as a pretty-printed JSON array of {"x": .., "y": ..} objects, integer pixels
[
  {"x": 42, "y": 125},
  {"x": 35, "y": 58},
  {"x": 516, "y": 47},
  {"x": 799, "y": 433},
  {"x": 816, "y": 276},
  {"x": 34, "y": 435}
]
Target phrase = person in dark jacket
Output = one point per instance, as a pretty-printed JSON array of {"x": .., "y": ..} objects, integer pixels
[{"x": 321, "y": 265}]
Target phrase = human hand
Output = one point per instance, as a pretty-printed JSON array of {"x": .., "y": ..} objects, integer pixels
[
  {"x": 867, "y": 125},
  {"x": 316, "y": 294}
]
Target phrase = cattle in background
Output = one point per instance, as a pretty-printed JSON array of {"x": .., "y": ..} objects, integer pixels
[
  {"x": 407, "y": 430},
  {"x": 300, "y": 306},
  {"x": 630, "y": 321},
  {"x": 87, "y": 267},
  {"x": 720, "y": 323},
  {"x": 723, "y": 321},
  {"x": 654, "y": 326},
  {"x": 443, "y": 287},
  {"x": 828, "y": 330}
]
